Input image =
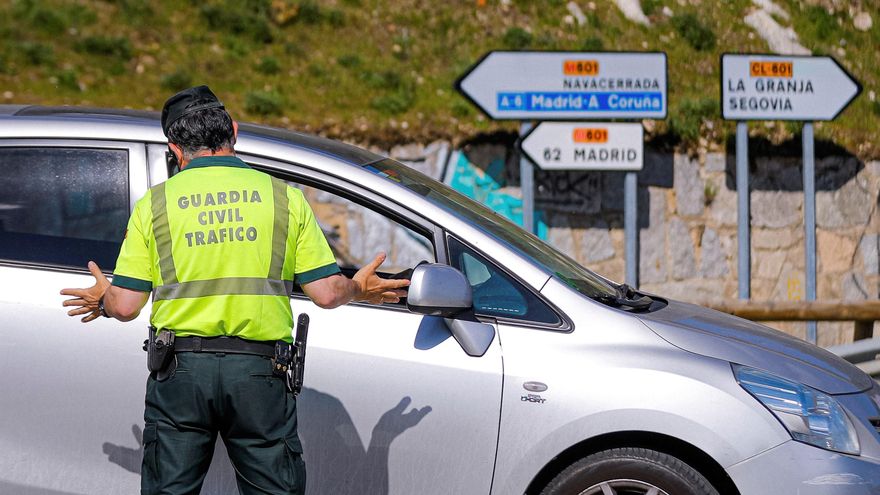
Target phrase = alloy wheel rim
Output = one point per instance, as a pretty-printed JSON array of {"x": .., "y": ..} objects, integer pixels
[{"x": 623, "y": 487}]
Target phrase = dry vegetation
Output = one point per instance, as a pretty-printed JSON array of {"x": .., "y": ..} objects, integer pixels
[{"x": 382, "y": 71}]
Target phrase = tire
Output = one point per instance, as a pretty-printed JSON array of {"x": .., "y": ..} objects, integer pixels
[{"x": 629, "y": 471}]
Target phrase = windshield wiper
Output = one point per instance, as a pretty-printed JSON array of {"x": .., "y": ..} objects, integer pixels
[{"x": 628, "y": 297}]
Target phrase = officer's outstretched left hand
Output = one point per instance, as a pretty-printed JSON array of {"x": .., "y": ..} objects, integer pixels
[
  {"x": 376, "y": 290},
  {"x": 86, "y": 300}
]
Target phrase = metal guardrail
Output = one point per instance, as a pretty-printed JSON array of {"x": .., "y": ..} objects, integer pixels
[{"x": 864, "y": 351}]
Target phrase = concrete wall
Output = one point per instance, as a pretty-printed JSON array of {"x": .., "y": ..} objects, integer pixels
[{"x": 688, "y": 221}]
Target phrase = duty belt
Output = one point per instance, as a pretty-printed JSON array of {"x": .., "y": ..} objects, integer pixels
[{"x": 230, "y": 345}]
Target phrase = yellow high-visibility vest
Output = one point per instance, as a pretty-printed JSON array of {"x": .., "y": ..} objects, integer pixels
[{"x": 220, "y": 245}]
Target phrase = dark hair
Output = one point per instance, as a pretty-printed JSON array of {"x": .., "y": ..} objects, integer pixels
[{"x": 209, "y": 129}]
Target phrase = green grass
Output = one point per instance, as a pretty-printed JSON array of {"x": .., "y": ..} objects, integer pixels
[
  {"x": 331, "y": 66},
  {"x": 264, "y": 103}
]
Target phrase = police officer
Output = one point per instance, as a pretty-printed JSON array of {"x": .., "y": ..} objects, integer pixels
[{"x": 219, "y": 245}]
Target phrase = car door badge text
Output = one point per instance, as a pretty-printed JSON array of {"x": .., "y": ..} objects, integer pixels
[{"x": 537, "y": 399}]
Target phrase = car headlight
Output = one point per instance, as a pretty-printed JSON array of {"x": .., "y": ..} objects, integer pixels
[{"x": 809, "y": 415}]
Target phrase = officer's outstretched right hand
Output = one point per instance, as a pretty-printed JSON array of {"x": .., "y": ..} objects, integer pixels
[{"x": 377, "y": 290}]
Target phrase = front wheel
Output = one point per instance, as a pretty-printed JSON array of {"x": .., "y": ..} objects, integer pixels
[{"x": 629, "y": 471}]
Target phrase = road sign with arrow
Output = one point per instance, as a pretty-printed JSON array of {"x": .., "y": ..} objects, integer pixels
[
  {"x": 772, "y": 87},
  {"x": 568, "y": 85}
]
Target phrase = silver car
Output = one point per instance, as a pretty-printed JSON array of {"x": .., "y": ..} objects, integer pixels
[{"x": 510, "y": 369}]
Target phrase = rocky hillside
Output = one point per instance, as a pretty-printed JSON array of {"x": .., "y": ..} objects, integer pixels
[{"x": 382, "y": 71}]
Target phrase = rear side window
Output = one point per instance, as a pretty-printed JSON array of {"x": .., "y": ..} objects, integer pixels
[{"x": 63, "y": 206}]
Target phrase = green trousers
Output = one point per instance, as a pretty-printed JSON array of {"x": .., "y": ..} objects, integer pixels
[{"x": 236, "y": 396}]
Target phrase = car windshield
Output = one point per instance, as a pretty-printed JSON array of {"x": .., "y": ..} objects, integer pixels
[{"x": 568, "y": 270}]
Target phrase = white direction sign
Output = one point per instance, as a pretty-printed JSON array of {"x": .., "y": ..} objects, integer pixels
[
  {"x": 772, "y": 87},
  {"x": 585, "y": 146},
  {"x": 568, "y": 85}
]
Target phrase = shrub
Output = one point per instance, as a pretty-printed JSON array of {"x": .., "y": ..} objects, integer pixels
[
  {"x": 291, "y": 48},
  {"x": 68, "y": 79},
  {"x": 697, "y": 35},
  {"x": 824, "y": 25},
  {"x": 115, "y": 68},
  {"x": 109, "y": 46},
  {"x": 336, "y": 18},
  {"x": 237, "y": 47},
  {"x": 387, "y": 79},
  {"x": 36, "y": 53},
  {"x": 237, "y": 18},
  {"x": 687, "y": 121},
  {"x": 592, "y": 44},
  {"x": 49, "y": 21},
  {"x": 316, "y": 70},
  {"x": 461, "y": 109},
  {"x": 649, "y": 7},
  {"x": 269, "y": 65},
  {"x": 349, "y": 61},
  {"x": 264, "y": 103},
  {"x": 55, "y": 19},
  {"x": 176, "y": 81},
  {"x": 394, "y": 103},
  {"x": 309, "y": 12},
  {"x": 517, "y": 38},
  {"x": 136, "y": 11}
]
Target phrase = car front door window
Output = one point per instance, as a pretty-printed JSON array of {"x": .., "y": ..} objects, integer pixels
[{"x": 357, "y": 233}]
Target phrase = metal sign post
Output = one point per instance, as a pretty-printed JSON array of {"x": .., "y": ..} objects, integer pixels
[
  {"x": 810, "y": 221},
  {"x": 527, "y": 183},
  {"x": 630, "y": 228},
  {"x": 773, "y": 87},
  {"x": 595, "y": 146},
  {"x": 743, "y": 220}
]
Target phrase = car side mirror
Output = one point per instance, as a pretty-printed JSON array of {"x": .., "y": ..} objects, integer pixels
[
  {"x": 438, "y": 290},
  {"x": 441, "y": 290}
]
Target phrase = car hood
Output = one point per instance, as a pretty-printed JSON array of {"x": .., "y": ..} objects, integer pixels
[{"x": 719, "y": 335}]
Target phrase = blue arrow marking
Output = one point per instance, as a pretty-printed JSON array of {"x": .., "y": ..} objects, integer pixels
[{"x": 579, "y": 102}]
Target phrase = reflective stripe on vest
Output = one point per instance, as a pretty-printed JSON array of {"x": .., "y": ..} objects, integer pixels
[
  {"x": 272, "y": 285},
  {"x": 162, "y": 234},
  {"x": 247, "y": 286},
  {"x": 279, "y": 230}
]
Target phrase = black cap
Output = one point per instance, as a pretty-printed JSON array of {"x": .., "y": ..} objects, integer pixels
[{"x": 186, "y": 102}]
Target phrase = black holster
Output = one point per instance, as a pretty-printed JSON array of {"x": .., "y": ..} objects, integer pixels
[
  {"x": 283, "y": 359},
  {"x": 298, "y": 368},
  {"x": 161, "y": 361}
]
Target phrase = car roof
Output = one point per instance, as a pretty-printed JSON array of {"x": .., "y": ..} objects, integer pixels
[{"x": 94, "y": 115}]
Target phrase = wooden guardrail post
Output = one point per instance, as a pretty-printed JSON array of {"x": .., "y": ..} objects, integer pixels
[{"x": 863, "y": 329}]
